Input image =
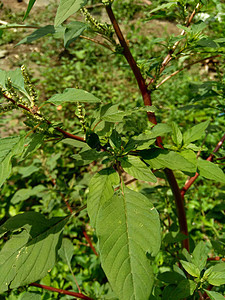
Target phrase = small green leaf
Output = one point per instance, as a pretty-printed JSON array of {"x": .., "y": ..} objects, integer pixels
[
  {"x": 100, "y": 190},
  {"x": 9, "y": 147},
  {"x": 207, "y": 42},
  {"x": 163, "y": 6},
  {"x": 128, "y": 228},
  {"x": 137, "y": 168},
  {"x": 195, "y": 133},
  {"x": 200, "y": 255},
  {"x": 24, "y": 194},
  {"x": 73, "y": 31},
  {"x": 190, "y": 268},
  {"x": 87, "y": 156},
  {"x": 209, "y": 170},
  {"x": 67, "y": 8},
  {"x": 115, "y": 140},
  {"x": 66, "y": 251},
  {"x": 33, "y": 142},
  {"x": 92, "y": 140},
  {"x": 73, "y": 95},
  {"x": 30, "y": 5},
  {"x": 37, "y": 34},
  {"x": 177, "y": 135},
  {"x": 29, "y": 255},
  {"x": 214, "y": 295}
]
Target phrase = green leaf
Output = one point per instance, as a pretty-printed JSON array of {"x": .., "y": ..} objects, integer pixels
[
  {"x": 67, "y": 8},
  {"x": 92, "y": 140},
  {"x": 73, "y": 31},
  {"x": 33, "y": 142},
  {"x": 9, "y": 147},
  {"x": 184, "y": 289},
  {"x": 200, "y": 255},
  {"x": 137, "y": 168},
  {"x": 170, "y": 277},
  {"x": 159, "y": 130},
  {"x": 216, "y": 278},
  {"x": 209, "y": 170},
  {"x": 29, "y": 255},
  {"x": 128, "y": 228},
  {"x": 37, "y": 34},
  {"x": 100, "y": 190},
  {"x": 190, "y": 268},
  {"x": 206, "y": 42},
  {"x": 163, "y": 6},
  {"x": 24, "y": 194},
  {"x": 115, "y": 140},
  {"x": 160, "y": 158},
  {"x": 214, "y": 295},
  {"x": 195, "y": 133},
  {"x": 66, "y": 251},
  {"x": 73, "y": 95},
  {"x": 177, "y": 135},
  {"x": 29, "y": 296},
  {"x": 30, "y": 5},
  {"x": 87, "y": 156}
]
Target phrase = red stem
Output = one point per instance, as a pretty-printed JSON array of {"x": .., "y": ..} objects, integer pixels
[
  {"x": 192, "y": 179},
  {"x": 89, "y": 242},
  {"x": 52, "y": 289},
  {"x": 151, "y": 116}
]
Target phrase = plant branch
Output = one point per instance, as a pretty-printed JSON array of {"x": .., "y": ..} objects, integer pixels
[
  {"x": 65, "y": 133},
  {"x": 192, "y": 179},
  {"x": 64, "y": 292},
  {"x": 185, "y": 67},
  {"x": 168, "y": 58},
  {"x": 129, "y": 57},
  {"x": 89, "y": 242},
  {"x": 96, "y": 42}
]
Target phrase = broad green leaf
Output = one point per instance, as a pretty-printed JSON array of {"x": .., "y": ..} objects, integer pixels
[
  {"x": 159, "y": 130},
  {"x": 214, "y": 295},
  {"x": 195, "y": 133},
  {"x": 170, "y": 277},
  {"x": 216, "y": 278},
  {"x": 100, "y": 190},
  {"x": 30, "y": 5},
  {"x": 66, "y": 251},
  {"x": 29, "y": 255},
  {"x": 92, "y": 140},
  {"x": 9, "y": 147},
  {"x": 177, "y": 135},
  {"x": 200, "y": 255},
  {"x": 184, "y": 289},
  {"x": 190, "y": 268},
  {"x": 73, "y": 31},
  {"x": 30, "y": 295},
  {"x": 67, "y": 8},
  {"x": 73, "y": 95},
  {"x": 37, "y": 34},
  {"x": 128, "y": 228},
  {"x": 160, "y": 158},
  {"x": 72, "y": 142},
  {"x": 137, "y": 168},
  {"x": 24, "y": 194},
  {"x": 209, "y": 170},
  {"x": 190, "y": 156}
]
